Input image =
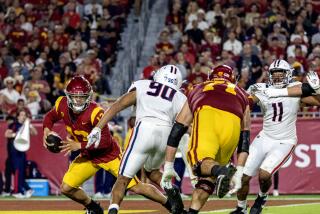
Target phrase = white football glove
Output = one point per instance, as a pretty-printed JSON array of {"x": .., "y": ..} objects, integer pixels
[
  {"x": 254, "y": 88},
  {"x": 168, "y": 174},
  {"x": 236, "y": 180},
  {"x": 313, "y": 81},
  {"x": 94, "y": 137},
  {"x": 194, "y": 181}
]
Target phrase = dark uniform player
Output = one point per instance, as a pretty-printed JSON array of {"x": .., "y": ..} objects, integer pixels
[
  {"x": 219, "y": 110},
  {"x": 80, "y": 115}
]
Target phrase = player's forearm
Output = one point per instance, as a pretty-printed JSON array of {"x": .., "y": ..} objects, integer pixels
[
  {"x": 170, "y": 153},
  {"x": 242, "y": 158},
  {"x": 122, "y": 103},
  {"x": 295, "y": 91}
]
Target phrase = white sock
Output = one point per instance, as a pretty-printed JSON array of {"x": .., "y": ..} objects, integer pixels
[
  {"x": 242, "y": 204},
  {"x": 113, "y": 206},
  {"x": 263, "y": 194}
]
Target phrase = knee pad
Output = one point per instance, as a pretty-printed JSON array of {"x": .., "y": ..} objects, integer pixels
[
  {"x": 205, "y": 185},
  {"x": 196, "y": 168}
]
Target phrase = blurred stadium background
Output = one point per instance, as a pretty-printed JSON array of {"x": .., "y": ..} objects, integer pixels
[{"x": 43, "y": 43}]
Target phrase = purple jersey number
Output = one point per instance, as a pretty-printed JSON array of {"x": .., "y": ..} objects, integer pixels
[{"x": 164, "y": 91}]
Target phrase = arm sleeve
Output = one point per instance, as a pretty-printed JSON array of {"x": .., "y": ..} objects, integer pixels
[{"x": 306, "y": 90}]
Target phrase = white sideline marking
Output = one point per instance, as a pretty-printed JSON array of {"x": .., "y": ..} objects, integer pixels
[{"x": 287, "y": 205}]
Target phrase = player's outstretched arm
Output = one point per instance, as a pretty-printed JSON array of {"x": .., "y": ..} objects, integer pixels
[
  {"x": 180, "y": 127},
  {"x": 123, "y": 102},
  {"x": 304, "y": 89}
]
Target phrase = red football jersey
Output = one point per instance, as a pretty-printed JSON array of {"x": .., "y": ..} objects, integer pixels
[
  {"x": 79, "y": 127},
  {"x": 219, "y": 94}
]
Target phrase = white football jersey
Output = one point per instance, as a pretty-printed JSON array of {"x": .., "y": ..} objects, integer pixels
[
  {"x": 156, "y": 100},
  {"x": 279, "y": 114}
]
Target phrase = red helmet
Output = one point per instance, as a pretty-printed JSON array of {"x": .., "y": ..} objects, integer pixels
[
  {"x": 79, "y": 93},
  {"x": 224, "y": 72}
]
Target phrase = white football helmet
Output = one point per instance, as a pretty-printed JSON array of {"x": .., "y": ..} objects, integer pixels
[
  {"x": 169, "y": 75},
  {"x": 280, "y": 80}
]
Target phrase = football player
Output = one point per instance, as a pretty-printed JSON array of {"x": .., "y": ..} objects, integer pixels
[
  {"x": 80, "y": 115},
  {"x": 277, "y": 140},
  {"x": 157, "y": 103},
  {"x": 220, "y": 114}
]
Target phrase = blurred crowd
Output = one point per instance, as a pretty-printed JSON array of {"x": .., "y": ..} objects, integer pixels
[
  {"x": 244, "y": 34},
  {"x": 44, "y": 43}
]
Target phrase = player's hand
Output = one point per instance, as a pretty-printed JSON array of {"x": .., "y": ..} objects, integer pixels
[
  {"x": 47, "y": 132},
  {"x": 313, "y": 81},
  {"x": 236, "y": 183},
  {"x": 69, "y": 145},
  {"x": 254, "y": 89},
  {"x": 94, "y": 137},
  {"x": 168, "y": 174}
]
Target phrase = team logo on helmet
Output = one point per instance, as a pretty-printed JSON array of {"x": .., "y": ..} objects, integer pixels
[{"x": 169, "y": 75}]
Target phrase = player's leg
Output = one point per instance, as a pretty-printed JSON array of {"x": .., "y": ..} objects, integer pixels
[
  {"x": 203, "y": 189},
  {"x": 79, "y": 171},
  {"x": 127, "y": 167},
  {"x": 276, "y": 183},
  {"x": 277, "y": 156},
  {"x": 155, "y": 158},
  {"x": 212, "y": 145},
  {"x": 126, "y": 180},
  {"x": 254, "y": 160},
  {"x": 155, "y": 161},
  {"x": 157, "y": 154}
]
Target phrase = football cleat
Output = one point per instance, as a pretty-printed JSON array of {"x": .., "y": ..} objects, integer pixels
[
  {"x": 223, "y": 182},
  {"x": 258, "y": 205},
  {"x": 239, "y": 210},
  {"x": 175, "y": 200}
]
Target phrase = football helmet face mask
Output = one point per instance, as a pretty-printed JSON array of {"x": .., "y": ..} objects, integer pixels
[
  {"x": 79, "y": 93},
  {"x": 169, "y": 75},
  {"x": 280, "y": 73},
  {"x": 223, "y": 72}
]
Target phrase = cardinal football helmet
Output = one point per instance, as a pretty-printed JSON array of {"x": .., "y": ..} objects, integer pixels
[
  {"x": 223, "y": 72},
  {"x": 169, "y": 75},
  {"x": 79, "y": 93},
  {"x": 280, "y": 73}
]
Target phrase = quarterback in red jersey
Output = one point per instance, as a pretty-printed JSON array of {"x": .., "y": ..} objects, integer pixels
[
  {"x": 80, "y": 115},
  {"x": 220, "y": 113}
]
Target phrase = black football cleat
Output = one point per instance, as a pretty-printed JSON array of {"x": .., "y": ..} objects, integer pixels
[
  {"x": 175, "y": 200},
  {"x": 239, "y": 210},
  {"x": 258, "y": 205},
  {"x": 94, "y": 208},
  {"x": 223, "y": 182}
]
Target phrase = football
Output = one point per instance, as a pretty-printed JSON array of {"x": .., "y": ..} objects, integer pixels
[{"x": 53, "y": 143}]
